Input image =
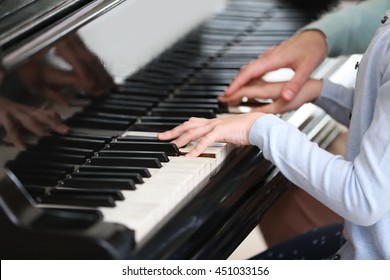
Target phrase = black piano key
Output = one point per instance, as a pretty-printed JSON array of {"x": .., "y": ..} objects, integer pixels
[
  {"x": 195, "y": 64},
  {"x": 199, "y": 94},
  {"x": 98, "y": 183},
  {"x": 223, "y": 64},
  {"x": 161, "y": 156},
  {"x": 125, "y": 161},
  {"x": 59, "y": 174},
  {"x": 136, "y": 177},
  {"x": 116, "y": 101},
  {"x": 90, "y": 136},
  {"x": 163, "y": 119},
  {"x": 142, "y": 171},
  {"x": 38, "y": 190},
  {"x": 192, "y": 100},
  {"x": 78, "y": 200},
  {"x": 61, "y": 150},
  {"x": 68, "y": 168},
  {"x": 211, "y": 88},
  {"x": 183, "y": 112},
  {"x": 148, "y": 91},
  {"x": 114, "y": 193},
  {"x": 118, "y": 109},
  {"x": 166, "y": 72},
  {"x": 98, "y": 123},
  {"x": 66, "y": 218},
  {"x": 32, "y": 157},
  {"x": 83, "y": 143},
  {"x": 153, "y": 126},
  {"x": 221, "y": 107},
  {"x": 35, "y": 190},
  {"x": 106, "y": 116},
  {"x": 43, "y": 180},
  {"x": 160, "y": 82},
  {"x": 213, "y": 82},
  {"x": 169, "y": 148},
  {"x": 133, "y": 96},
  {"x": 190, "y": 106}
]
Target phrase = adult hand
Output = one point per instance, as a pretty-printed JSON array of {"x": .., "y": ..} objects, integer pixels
[
  {"x": 14, "y": 117},
  {"x": 87, "y": 72},
  {"x": 260, "y": 89},
  {"x": 232, "y": 129},
  {"x": 303, "y": 53},
  {"x": 91, "y": 75}
]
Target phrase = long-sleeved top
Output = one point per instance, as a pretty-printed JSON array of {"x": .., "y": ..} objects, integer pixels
[
  {"x": 357, "y": 187},
  {"x": 350, "y": 30}
]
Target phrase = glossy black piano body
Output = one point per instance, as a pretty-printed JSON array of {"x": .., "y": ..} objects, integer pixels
[{"x": 216, "y": 220}]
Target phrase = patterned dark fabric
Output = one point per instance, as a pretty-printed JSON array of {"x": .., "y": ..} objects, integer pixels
[{"x": 317, "y": 244}]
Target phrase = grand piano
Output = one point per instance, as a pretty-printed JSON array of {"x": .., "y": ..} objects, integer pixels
[{"x": 109, "y": 189}]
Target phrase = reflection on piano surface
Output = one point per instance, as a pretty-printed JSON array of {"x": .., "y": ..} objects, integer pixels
[{"x": 109, "y": 189}]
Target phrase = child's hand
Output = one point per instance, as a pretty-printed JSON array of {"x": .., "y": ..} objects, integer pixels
[{"x": 233, "y": 129}]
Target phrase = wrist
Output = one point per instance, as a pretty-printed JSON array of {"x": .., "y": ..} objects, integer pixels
[
  {"x": 318, "y": 37},
  {"x": 314, "y": 89}
]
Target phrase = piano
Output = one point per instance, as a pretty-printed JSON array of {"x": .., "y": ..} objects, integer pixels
[{"x": 109, "y": 189}]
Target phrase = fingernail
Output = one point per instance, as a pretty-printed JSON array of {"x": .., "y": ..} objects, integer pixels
[{"x": 161, "y": 135}]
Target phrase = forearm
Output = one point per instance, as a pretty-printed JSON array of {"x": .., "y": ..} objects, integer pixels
[
  {"x": 350, "y": 29},
  {"x": 341, "y": 185}
]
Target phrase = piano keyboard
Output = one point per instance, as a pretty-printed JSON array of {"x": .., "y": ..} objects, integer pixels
[{"x": 112, "y": 161}]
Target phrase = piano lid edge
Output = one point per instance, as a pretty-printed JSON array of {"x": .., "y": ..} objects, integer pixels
[{"x": 48, "y": 36}]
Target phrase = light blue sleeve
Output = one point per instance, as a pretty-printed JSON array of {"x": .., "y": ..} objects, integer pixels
[
  {"x": 337, "y": 101},
  {"x": 358, "y": 190},
  {"x": 350, "y": 29}
]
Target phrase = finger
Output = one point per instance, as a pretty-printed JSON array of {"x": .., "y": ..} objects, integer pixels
[
  {"x": 71, "y": 50},
  {"x": 57, "y": 77},
  {"x": 31, "y": 124},
  {"x": 254, "y": 70},
  {"x": 51, "y": 119},
  {"x": 292, "y": 87},
  {"x": 13, "y": 132},
  {"x": 93, "y": 76},
  {"x": 278, "y": 107},
  {"x": 180, "y": 129},
  {"x": 54, "y": 96},
  {"x": 193, "y": 134},
  {"x": 263, "y": 91},
  {"x": 202, "y": 145}
]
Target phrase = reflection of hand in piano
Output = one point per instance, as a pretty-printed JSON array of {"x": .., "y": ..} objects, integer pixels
[
  {"x": 46, "y": 81},
  {"x": 13, "y": 116},
  {"x": 89, "y": 73}
]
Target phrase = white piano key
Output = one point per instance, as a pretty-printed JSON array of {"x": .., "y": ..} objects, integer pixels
[
  {"x": 145, "y": 209},
  {"x": 302, "y": 114},
  {"x": 346, "y": 74}
]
